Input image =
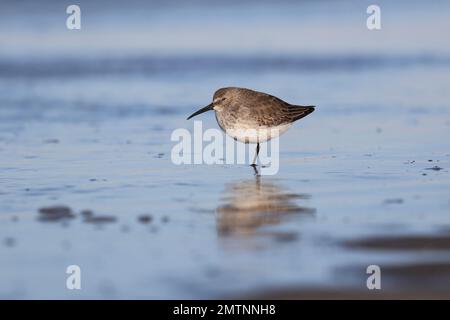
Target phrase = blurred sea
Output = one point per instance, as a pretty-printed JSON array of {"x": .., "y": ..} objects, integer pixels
[{"x": 86, "y": 118}]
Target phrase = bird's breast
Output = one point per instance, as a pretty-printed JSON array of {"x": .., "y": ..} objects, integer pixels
[
  {"x": 255, "y": 134},
  {"x": 246, "y": 127}
]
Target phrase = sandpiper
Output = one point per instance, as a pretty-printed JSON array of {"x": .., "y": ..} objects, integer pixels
[{"x": 251, "y": 116}]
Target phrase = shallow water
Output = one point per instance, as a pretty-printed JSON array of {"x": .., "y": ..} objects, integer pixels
[{"x": 356, "y": 184}]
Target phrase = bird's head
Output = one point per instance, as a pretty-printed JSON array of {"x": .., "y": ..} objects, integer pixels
[{"x": 221, "y": 99}]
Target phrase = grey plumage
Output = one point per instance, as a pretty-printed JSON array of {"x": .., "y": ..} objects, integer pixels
[{"x": 255, "y": 109}]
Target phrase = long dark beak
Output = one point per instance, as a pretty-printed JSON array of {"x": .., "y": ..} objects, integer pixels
[{"x": 207, "y": 108}]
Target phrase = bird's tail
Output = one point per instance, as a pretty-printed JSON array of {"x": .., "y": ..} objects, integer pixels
[{"x": 298, "y": 112}]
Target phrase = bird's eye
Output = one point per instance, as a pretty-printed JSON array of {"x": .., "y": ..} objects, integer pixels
[{"x": 218, "y": 100}]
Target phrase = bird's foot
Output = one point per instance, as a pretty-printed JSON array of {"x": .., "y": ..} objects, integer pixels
[{"x": 255, "y": 168}]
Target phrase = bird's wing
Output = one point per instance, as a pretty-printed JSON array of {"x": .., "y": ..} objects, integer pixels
[
  {"x": 297, "y": 112},
  {"x": 272, "y": 111}
]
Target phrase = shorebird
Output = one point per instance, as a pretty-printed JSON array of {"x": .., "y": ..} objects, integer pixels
[{"x": 253, "y": 117}]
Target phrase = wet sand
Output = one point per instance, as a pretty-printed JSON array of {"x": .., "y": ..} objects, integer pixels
[{"x": 86, "y": 176}]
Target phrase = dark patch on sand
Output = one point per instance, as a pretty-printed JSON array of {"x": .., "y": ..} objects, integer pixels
[
  {"x": 87, "y": 213},
  {"x": 202, "y": 210},
  {"x": 51, "y": 141},
  {"x": 285, "y": 237},
  {"x": 9, "y": 242},
  {"x": 393, "y": 201},
  {"x": 145, "y": 219},
  {"x": 64, "y": 213},
  {"x": 410, "y": 242},
  {"x": 55, "y": 213},
  {"x": 416, "y": 276},
  {"x": 421, "y": 270},
  {"x": 100, "y": 219},
  {"x": 435, "y": 168},
  {"x": 342, "y": 293}
]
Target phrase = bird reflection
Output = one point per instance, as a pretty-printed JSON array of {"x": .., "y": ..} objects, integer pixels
[{"x": 250, "y": 205}]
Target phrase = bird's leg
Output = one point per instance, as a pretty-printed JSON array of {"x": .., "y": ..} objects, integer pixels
[
  {"x": 256, "y": 155},
  {"x": 255, "y": 170}
]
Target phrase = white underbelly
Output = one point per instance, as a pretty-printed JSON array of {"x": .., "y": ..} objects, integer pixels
[{"x": 261, "y": 134}]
